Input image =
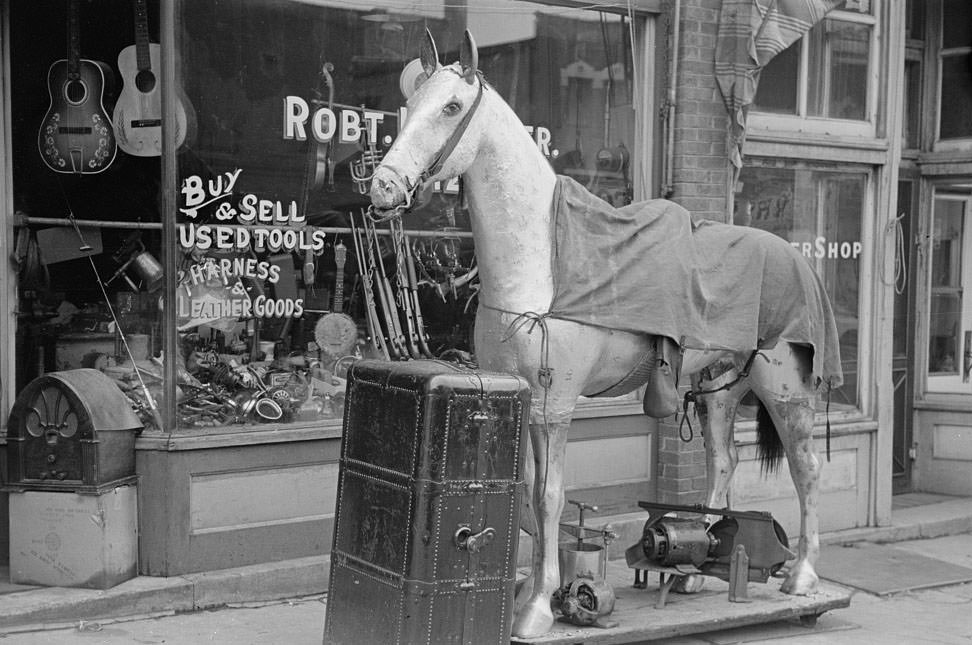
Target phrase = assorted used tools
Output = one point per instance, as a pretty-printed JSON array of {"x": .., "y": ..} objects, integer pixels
[{"x": 393, "y": 318}]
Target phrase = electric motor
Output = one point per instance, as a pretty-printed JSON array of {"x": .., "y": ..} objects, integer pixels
[{"x": 675, "y": 541}]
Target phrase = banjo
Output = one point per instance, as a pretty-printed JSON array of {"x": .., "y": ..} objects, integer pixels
[{"x": 335, "y": 332}]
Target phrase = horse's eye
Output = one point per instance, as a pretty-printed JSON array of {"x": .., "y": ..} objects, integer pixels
[{"x": 452, "y": 108}]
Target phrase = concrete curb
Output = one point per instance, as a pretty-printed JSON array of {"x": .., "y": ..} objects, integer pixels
[
  {"x": 267, "y": 582},
  {"x": 40, "y": 607}
]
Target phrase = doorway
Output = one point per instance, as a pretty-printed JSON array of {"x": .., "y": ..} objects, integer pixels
[
  {"x": 902, "y": 363},
  {"x": 932, "y": 345}
]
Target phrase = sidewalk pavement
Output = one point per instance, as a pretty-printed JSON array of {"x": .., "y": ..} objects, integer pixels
[{"x": 31, "y": 608}]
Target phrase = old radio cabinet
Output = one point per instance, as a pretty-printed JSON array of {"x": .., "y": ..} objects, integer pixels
[{"x": 71, "y": 431}]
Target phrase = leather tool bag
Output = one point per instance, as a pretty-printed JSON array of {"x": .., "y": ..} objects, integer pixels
[{"x": 661, "y": 391}]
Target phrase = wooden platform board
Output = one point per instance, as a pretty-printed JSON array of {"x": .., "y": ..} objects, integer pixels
[{"x": 683, "y": 614}]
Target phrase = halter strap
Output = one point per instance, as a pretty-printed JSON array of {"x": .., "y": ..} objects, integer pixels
[
  {"x": 450, "y": 144},
  {"x": 437, "y": 162}
]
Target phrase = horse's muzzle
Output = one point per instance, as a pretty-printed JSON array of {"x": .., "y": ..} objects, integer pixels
[{"x": 388, "y": 189}]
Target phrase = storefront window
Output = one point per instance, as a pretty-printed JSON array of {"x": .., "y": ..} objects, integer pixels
[
  {"x": 283, "y": 282},
  {"x": 86, "y": 191},
  {"x": 820, "y": 213}
]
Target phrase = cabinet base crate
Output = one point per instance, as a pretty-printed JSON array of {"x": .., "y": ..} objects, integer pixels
[
  {"x": 428, "y": 505},
  {"x": 64, "y": 539}
]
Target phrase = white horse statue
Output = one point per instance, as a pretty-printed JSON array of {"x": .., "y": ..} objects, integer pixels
[{"x": 458, "y": 125}]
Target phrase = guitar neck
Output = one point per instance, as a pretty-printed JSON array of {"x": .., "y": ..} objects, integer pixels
[
  {"x": 340, "y": 257},
  {"x": 74, "y": 41},
  {"x": 142, "y": 57}
]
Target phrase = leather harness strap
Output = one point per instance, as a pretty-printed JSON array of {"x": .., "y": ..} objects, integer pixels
[{"x": 450, "y": 144}]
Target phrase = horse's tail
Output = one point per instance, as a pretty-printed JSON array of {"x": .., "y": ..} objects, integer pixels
[{"x": 769, "y": 446}]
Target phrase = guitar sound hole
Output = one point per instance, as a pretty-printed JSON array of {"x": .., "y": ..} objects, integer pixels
[
  {"x": 145, "y": 81},
  {"x": 75, "y": 92}
]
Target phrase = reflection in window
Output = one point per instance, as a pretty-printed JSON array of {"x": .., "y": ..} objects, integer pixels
[
  {"x": 945, "y": 316},
  {"x": 820, "y": 214},
  {"x": 268, "y": 329},
  {"x": 839, "y": 54},
  {"x": 956, "y": 91},
  {"x": 833, "y": 84},
  {"x": 778, "y": 83},
  {"x": 956, "y": 71},
  {"x": 911, "y": 99}
]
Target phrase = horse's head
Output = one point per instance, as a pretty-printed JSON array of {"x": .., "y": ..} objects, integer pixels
[{"x": 436, "y": 141}]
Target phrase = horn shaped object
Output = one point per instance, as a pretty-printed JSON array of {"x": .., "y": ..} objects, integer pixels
[
  {"x": 429, "y": 54},
  {"x": 469, "y": 58}
]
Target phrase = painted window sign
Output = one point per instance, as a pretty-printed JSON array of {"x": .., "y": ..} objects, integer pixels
[
  {"x": 212, "y": 288},
  {"x": 819, "y": 212}
]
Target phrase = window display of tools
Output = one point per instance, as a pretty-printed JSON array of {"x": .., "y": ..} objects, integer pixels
[
  {"x": 394, "y": 319},
  {"x": 335, "y": 332}
]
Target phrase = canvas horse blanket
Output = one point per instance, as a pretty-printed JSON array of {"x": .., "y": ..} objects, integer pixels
[{"x": 653, "y": 268}]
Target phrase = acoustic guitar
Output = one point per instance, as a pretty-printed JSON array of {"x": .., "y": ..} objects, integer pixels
[
  {"x": 76, "y": 135},
  {"x": 138, "y": 112}
]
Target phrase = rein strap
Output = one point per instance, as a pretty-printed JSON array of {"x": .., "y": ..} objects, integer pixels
[{"x": 443, "y": 155}]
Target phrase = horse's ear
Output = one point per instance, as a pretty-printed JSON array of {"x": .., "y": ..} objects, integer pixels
[
  {"x": 469, "y": 57},
  {"x": 429, "y": 55}
]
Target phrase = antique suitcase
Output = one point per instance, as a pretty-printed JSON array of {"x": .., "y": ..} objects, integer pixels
[{"x": 427, "y": 516}]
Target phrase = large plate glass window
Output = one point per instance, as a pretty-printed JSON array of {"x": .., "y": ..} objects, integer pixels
[
  {"x": 85, "y": 131},
  {"x": 820, "y": 212},
  {"x": 282, "y": 280}
]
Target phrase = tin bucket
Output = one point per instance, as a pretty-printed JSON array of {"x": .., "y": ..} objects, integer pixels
[{"x": 581, "y": 560}]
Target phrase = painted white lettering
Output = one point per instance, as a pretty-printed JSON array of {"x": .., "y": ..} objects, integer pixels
[
  {"x": 295, "y": 115},
  {"x": 193, "y": 191},
  {"x": 321, "y": 133},
  {"x": 372, "y": 119},
  {"x": 543, "y": 140},
  {"x": 350, "y": 127}
]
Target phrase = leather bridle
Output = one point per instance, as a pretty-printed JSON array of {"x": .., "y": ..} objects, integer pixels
[{"x": 438, "y": 161}]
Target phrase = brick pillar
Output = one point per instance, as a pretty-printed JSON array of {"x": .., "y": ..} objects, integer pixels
[
  {"x": 700, "y": 161},
  {"x": 681, "y": 465},
  {"x": 700, "y": 183}
]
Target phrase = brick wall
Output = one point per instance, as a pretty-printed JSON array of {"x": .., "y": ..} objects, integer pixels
[
  {"x": 700, "y": 184},
  {"x": 700, "y": 160}
]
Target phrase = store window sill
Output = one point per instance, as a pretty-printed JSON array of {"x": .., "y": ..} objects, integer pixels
[{"x": 231, "y": 436}]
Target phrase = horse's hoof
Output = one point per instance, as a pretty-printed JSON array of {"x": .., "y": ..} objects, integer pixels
[
  {"x": 533, "y": 619},
  {"x": 801, "y": 581},
  {"x": 688, "y": 584}
]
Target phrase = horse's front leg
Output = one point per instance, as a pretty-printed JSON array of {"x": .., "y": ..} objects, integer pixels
[{"x": 549, "y": 442}]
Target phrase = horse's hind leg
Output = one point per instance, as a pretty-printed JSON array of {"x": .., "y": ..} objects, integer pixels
[
  {"x": 717, "y": 412},
  {"x": 784, "y": 384}
]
